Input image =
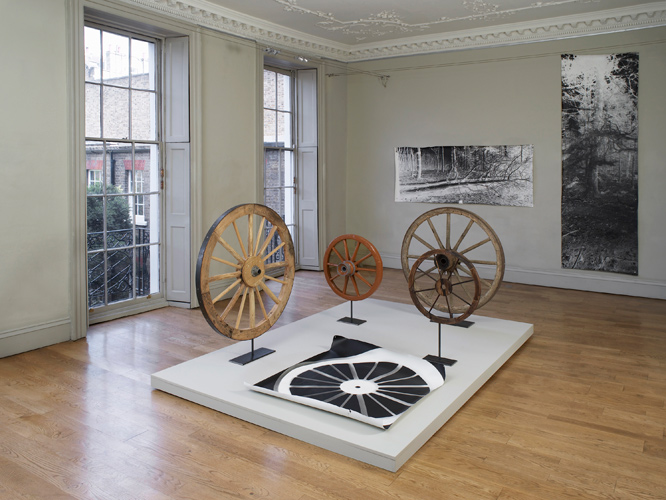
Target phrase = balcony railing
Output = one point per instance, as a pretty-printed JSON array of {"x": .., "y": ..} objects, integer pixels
[{"x": 119, "y": 257}]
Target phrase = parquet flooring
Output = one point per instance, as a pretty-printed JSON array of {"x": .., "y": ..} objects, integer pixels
[{"x": 577, "y": 413}]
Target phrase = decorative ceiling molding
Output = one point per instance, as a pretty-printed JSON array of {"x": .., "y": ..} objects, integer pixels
[{"x": 207, "y": 14}]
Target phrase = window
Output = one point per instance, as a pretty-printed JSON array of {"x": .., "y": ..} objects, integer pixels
[
  {"x": 279, "y": 145},
  {"x": 123, "y": 164}
]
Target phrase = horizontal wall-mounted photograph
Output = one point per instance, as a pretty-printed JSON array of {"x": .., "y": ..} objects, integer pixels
[{"x": 482, "y": 175}]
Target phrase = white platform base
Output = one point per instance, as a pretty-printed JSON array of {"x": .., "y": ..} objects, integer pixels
[{"x": 212, "y": 381}]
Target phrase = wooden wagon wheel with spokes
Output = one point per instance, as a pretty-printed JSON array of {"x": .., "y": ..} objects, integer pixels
[
  {"x": 242, "y": 249},
  {"x": 438, "y": 288},
  {"x": 353, "y": 267},
  {"x": 459, "y": 230}
]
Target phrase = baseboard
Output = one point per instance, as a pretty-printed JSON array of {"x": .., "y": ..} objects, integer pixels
[
  {"x": 590, "y": 281},
  {"x": 33, "y": 337}
]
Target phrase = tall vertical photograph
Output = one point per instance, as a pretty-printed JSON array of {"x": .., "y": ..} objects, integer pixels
[{"x": 600, "y": 162}]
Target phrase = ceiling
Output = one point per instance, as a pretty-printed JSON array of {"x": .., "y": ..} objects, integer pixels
[{"x": 350, "y": 30}]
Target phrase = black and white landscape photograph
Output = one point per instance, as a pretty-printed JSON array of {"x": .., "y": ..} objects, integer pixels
[
  {"x": 485, "y": 175},
  {"x": 600, "y": 162}
]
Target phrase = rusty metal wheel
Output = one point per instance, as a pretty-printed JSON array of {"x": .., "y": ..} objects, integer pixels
[
  {"x": 438, "y": 288},
  {"x": 461, "y": 231},
  {"x": 353, "y": 267},
  {"x": 239, "y": 257}
]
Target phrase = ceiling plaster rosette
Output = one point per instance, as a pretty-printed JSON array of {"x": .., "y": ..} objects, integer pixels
[{"x": 207, "y": 14}]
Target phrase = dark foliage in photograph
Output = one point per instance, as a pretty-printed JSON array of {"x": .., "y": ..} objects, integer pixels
[{"x": 600, "y": 163}]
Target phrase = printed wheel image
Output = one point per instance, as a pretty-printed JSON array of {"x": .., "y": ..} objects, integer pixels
[
  {"x": 444, "y": 286},
  {"x": 357, "y": 380},
  {"x": 463, "y": 232},
  {"x": 353, "y": 267},
  {"x": 238, "y": 293}
]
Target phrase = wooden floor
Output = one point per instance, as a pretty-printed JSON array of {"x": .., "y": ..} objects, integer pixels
[{"x": 577, "y": 413}]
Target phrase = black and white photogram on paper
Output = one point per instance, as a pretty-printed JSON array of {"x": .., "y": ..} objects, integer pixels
[
  {"x": 485, "y": 175},
  {"x": 600, "y": 162}
]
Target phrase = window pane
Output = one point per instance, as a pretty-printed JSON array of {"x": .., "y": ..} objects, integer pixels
[
  {"x": 283, "y": 92},
  {"x": 118, "y": 162},
  {"x": 116, "y": 113},
  {"x": 284, "y": 130},
  {"x": 144, "y": 115},
  {"x": 146, "y": 168},
  {"x": 119, "y": 275},
  {"x": 269, "y": 89},
  {"x": 95, "y": 202},
  {"x": 115, "y": 59},
  {"x": 143, "y": 64},
  {"x": 147, "y": 273},
  {"x": 147, "y": 218},
  {"x": 270, "y": 133},
  {"x": 278, "y": 168},
  {"x": 96, "y": 279},
  {"x": 119, "y": 221},
  {"x": 93, "y": 115},
  {"x": 93, "y": 53}
]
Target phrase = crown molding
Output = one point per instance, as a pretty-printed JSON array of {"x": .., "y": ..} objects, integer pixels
[{"x": 209, "y": 15}]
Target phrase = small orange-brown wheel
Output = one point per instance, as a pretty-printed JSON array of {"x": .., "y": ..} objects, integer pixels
[
  {"x": 240, "y": 257},
  {"x": 438, "y": 289},
  {"x": 353, "y": 267}
]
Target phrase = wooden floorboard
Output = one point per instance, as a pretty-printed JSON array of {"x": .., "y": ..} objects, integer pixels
[{"x": 577, "y": 413}]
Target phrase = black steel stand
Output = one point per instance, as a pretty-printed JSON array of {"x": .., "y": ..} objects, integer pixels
[
  {"x": 464, "y": 324},
  {"x": 351, "y": 319},
  {"x": 439, "y": 360},
  {"x": 253, "y": 355}
]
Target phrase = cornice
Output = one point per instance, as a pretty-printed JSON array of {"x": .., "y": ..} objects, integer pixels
[{"x": 207, "y": 14}]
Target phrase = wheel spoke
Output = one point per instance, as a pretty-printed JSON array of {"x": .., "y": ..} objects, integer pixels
[
  {"x": 363, "y": 280},
  {"x": 336, "y": 276},
  {"x": 230, "y": 249},
  {"x": 216, "y": 299},
  {"x": 219, "y": 277},
  {"x": 448, "y": 306},
  {"x": 424, "y": 290},
  {"x": 338, "y": 254},
  {"x": 368, "y": 269},
  {"x": 455, "y": 271},
  {"x": 231, "y": 303},
  {"x": 240, "y": 310},
  {"x": 261, "y": 304},
  {"x": 476, "y": 245},
  {"x": 464, "y": 233},
  {"x": 344, "y": 242},
  {"x": 434, "y": 232},
  {"x": 448, "y": 230},
  {"x": 424, "y": 242},
  {"x": 426, "y": 273},
  {"x": 433, "y": 304},
  {"x": 275, "y": 264},
  {"x": 252, "y": 308},
  {"x": 484, "y": 262},
  {"x": 269, "y": 292},
  {"x": 259, "y": 233},
  {"x": 353, "y": 280},
  {"x": 240, "y": 240},
  {"x": 362, "y": 259},
  {"x": 250, "y": 231},
  {"x": 268, "y": 239},
  {"x": 274, "y": 250},
  {"x": 274, "y": 279},
  {"x": 344, "y": 287},
  {"x": 226, "y": 262},
  {"x": 358, "y": 246}
]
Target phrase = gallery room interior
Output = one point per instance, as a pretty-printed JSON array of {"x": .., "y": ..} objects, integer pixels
[{"x": 141, "y": 140}]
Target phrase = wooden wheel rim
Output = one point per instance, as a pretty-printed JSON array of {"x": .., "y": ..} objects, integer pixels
[
  {"x": 444, "y": 287},
  {"x": 248, "y": 279},
  {"x": 350, "y": 266},
  {"x": 459, "y": 245}
]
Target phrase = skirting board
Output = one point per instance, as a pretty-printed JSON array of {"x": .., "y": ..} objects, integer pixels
[{"x": 212, "y": 381}]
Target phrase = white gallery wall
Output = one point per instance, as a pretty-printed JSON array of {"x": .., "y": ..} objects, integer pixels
[{"x": 502, "y": 96}]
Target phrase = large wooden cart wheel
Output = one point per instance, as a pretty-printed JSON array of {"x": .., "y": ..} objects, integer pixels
[
  {"x": 241, "y": 251},
  {"x": 353, "y": 267},
  {"x": 459, "y": 230},
  {"x": 438, "y": 289}
]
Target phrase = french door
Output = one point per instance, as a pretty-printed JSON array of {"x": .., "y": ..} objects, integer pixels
[{"x": 123, "y": 168}]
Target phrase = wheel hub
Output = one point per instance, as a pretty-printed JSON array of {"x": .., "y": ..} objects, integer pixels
[
  {"x": 253, "y": 271},
  {"x": 443, "y": 286},
  {"x": 346, "y": 268}
]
